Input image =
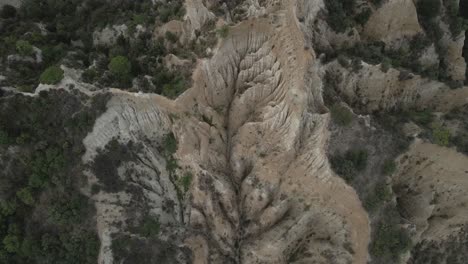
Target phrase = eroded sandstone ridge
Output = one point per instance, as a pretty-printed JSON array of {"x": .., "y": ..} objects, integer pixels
[
  {"x": 252, "y": 131},
  {"x": 248, "y": 179}
]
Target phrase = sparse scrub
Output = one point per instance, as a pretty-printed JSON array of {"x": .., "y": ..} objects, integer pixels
[
  {"x": 223, "y": 31},
  {"x": 440, "y": 135},
  {"x": 24, "y": 48},
  {"x": 341, "y": 115},
  {"x": 389, "y": 167}
]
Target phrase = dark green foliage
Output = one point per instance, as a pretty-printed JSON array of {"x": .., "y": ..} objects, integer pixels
[
  {"x": 390, "y": 241},
  {"x": 423, "y": 118},
  {"x": 381, "y": 194},
  {"x": 90, "y": 75},
  {"x": 223, "y": 31},
  {"x": 41, "y": 176},
  {"x": 51, "y": 75},
  {"x": 171, "y": 37},
  {"x": 24, "y": 48},
  {"x": 349, "y": 164},
  {"x": 149, "y": 227},
  {"x": 107, "y": 162},
  {"x": 389, "y": 167},
  {"x": 440, "y": 135},
  {"x": 128, "y": 250},
  {"x": 428, "y": 8},
  {"x": 8, "y": 11},
  {"x": 341, "y": 115},
  {"x": 120, "y": 65},
  {"x": 173, "y": 10},
  {"x": 364, "y": 16},
  {"x": 185, "y": 182},
  {"x": 340, "y": 14},
  {"x": 378, "y": 3}
]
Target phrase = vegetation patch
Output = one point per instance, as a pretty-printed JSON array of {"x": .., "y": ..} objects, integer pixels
[
  {"x": 42, "y": 175},
  {"x": 52, "y": 75},
  {"x": 349, "y": 164},
  {"x": 341, "y": 114}
]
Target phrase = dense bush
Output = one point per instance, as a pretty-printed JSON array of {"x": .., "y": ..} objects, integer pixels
[
  {"x": 223, "y": 31},
  {"x": 389, "y": 167},
  {"x": 120, "y": 65},
  {"x": 8, "y": 11},
  {"x": 47, "y": 133},
  {"x": 428, "y": 8},
  {"x": 51, "y": 75},
  {"x": 341, "y": 115},
  {"x": 378, "y": 197},
  {"x": 128, "y": 249},
  {"x": 349, "y": 164},
  {"x": 24, "y": 48},
  {"x": 105, "y": 165},
  {"x": 389, "y": 241},
  {"x": 440, "y": 135}
]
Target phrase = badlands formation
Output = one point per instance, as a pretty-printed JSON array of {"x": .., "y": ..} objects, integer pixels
[
  {"x": 274, "y": 153},
  {"x": 252, "y": 131}
]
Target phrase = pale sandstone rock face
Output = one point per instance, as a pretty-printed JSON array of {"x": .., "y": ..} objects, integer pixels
[
  {"x": 393, "y": 21},
  {"x": 431, "y": 184},
  {"x": 109, "y": 35},
  {"x": 453, "y": 53},
  {"x": 266, "y": 141},
  {"x": 263, "y": 191},
  {"x": 253, "y": 131},
  {"x": 371, "y": 89}
]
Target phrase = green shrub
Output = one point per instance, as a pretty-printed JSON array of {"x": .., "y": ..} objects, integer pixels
[
  {"x": 223, "y": 31},
  {"x": 8, "y": 11},
  {"x": 386, "y": 64},
  {"x": 120, "y": 65},
  {"x": 381, "y": 194},
  {"x": 340, "y": 14},
  {"x": 11, "y": 243},
  {"x": 389, "y": 167},
  {"x": 428, "y": 8},
  {"x": 185, "y": 181},
  {"x": 24, "y": 48},
  {"x": 171, "y": 37},
  {"x": 174, "y": 87},
  {"x": 349, "y": 164},
  {"x": 440, "y": 135},
  {"x": 364, "y": 16},
  {"x": 90, "y": 75},
  {"x": 150, "y": 227},
  {"x": 390, "y": 242},
  {"x": 424, "y": 117},
  {"x": 51, "y": 75},
  {"x": 341, "y": 115},
  {"x": 4, "y": 139},
  {"x": 25, "y": 196}
]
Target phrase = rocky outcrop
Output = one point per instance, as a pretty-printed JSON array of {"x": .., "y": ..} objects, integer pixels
[
  {"x": 430, "y": 185},
  {"x": 252, "y": 131},
  {"x": 393, "y": 22},
  {"x": 372, "y": 89},
  {"x": 108, "y": 36}
]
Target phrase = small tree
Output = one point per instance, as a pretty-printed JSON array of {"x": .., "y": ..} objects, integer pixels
[
  {"x": 120, "y": 66},
  {"x": 223, "y": 31},
  {"x": 8, "y": 11},
  {"x": 51, "y": 75},
  {"x": 341, "y": 115},
  {"x": 25, "y": 196},
  {"x": 440, "y": 135},
  {"x": 24, "y": 48},
  {"x": 429, "y": 8}
]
